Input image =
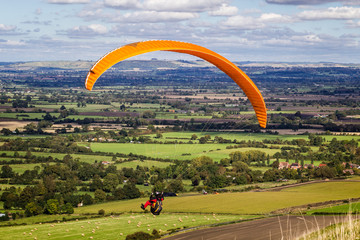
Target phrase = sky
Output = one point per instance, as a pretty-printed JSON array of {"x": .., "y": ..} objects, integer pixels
[{"x": 240, "y": 30}]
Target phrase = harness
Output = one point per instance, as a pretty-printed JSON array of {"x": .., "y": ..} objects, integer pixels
[{"x": 156, "y": 207}]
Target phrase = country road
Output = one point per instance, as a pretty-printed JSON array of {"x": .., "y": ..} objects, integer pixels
[{"x": 283, "y": 227}]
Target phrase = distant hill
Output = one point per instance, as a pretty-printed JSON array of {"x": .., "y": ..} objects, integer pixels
[
  {"x": 135, "y": 65},
  {"x": 86, "y": 65},
  {"x": 73, "y": 65}
]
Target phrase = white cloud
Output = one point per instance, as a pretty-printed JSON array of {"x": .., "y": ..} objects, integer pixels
[
  {"x": 224, "y": 10},
  {"x": 169, "y": 5},
  {"x": 152, "y": 16},
  {"x": 148, "y": 30},
  {"x": 90, "y": 13},
  {"x": 248, "y": 23},
  {"x": 98, "y": 28},
  {"x": 11, "y": 43},
  {"x": 92, "y": 30},
  {"x": 275, "y": 18},
  {"x": 353, "y": 24},
  {"x": 256, "y": 29},
  {"x": 68, "y": 1},
  {"x": 313, "y": 2},
  {"x": 307, "y": 39},
  {"x": 182, "y": 5},
  {"x": 123, "y": 4},
  {"x": 242, "y": 22},
  {"x": 7, "y": 28},
  {"x": 36, "y": 22},
  {"x": 331, "y": 13},
  {"x": 301, "y": 2}
]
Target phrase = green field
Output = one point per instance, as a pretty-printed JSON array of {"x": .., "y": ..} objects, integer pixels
[
  {"x": 24, "y": 116},
  {"x": 263, "y": 185},
  {"x": 339, "y": 209},
  {"x": 88, "y": 108},
  {"x": 143, "y": 105},
  {"x": 242, "y": 202},
  {"x": 171, "y": 136},
  {"x": 21, "y": 168},
  {"x": 113, "y": 227},
  {"x": 170, "y": 151},
  {"x": 146, "y": 163},
  {"x": 186, "y": 136},
  {"x": 180, "y": 116},
  {"x": 173, "y": 151},
  {"x": 341, "y": 137},
  {"x": 81, "y": 157},
  {"x": 82, "y": 117}
]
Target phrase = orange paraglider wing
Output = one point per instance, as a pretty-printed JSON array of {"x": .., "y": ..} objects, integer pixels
[{"x": 133, "y": 49}]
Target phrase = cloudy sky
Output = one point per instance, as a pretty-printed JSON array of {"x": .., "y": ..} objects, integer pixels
[{"x": 241, "y": 30}]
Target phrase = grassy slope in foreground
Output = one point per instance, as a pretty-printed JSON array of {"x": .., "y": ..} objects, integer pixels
[
  {"x": 116, "y": 227},
  {"x": 241, "y": 203}
]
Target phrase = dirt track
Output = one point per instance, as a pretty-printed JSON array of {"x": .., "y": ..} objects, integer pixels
[{"x": 284, "y": 227}]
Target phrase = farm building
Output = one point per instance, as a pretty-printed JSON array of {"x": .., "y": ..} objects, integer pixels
[{"x": 283, "y": 165}]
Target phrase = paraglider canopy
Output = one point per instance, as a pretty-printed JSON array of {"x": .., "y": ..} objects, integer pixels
[{"x": 133, "y": 49}]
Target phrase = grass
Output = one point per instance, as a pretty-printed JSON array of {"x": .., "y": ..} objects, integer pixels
[
  {"x": 23, "y": 136},
  {"x": 113, "y": 227},
  {"x": 82, "y": 117},
  {"x": 356, "y": 178},
  {"x": 224, "y": 153},
  {"x": 81, "y": 157},
  {"x": 144, "y": 105},
  {"x": 166, "y": 151},
  {"x": 88, "y": 108},
  {"x": 39, "y": 219},
  {"x": 180, "y": 116},
  {"x": 6, "y": 159},
  {"x": 146, "y": 163},
  {"x": 338, "y": 209},
  {"x": 230, "y": 135},
  {"x": 249, "y": 136},
  {"x": 21, "y": 168},
  {"x": 263, "y": 185},
  {"x": 347, "y": 230},
  {"x": 349, "y": 137},
  {"x": 241, "y": 202},
  {"x": 174, "y": 151},
  {"x": 24, "y": 116}
]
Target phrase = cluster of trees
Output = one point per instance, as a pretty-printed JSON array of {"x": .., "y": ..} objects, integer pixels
[
  {"x": 54, "y": 189},
  {"x": 55, "y": 144},
  {"x": 56, "y": 184},
  {"x": 39, "y": 199}
]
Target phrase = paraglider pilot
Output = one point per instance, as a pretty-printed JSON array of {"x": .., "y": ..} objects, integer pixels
[{"x": 155, "y": 203}]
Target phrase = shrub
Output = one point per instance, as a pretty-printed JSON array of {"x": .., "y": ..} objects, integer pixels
[
  {"x": 101, "y": 212},
  {"x": 143, "y": 235},
  {"x": 32, "y": 209}
]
